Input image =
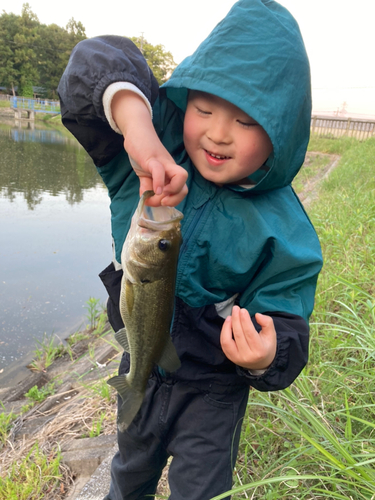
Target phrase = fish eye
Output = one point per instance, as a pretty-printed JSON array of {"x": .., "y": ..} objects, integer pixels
[{"x": 164, "y": 245}]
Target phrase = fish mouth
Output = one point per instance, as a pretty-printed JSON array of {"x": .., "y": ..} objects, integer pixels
[
  {"x": 217, "y": 156},
  {"x": 156, "y": 218}
]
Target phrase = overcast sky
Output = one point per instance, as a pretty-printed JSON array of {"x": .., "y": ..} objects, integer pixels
[{"x": 339, "y": 36}]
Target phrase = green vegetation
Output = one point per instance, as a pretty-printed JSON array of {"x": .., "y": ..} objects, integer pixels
[
  {"x": 32, "y": 467},
  {"x": 93, "y": 310},
  {"x": 38, "y": 395},
  {"x": 6, "y": 420},
  {"x": 331, "y": 145},
  {"x": 33, "y": 477},
  {"x": 160, "y": 61},
  {"x": 316, "y": 440},
  {"x": 34, "y": 54},
  {"x": 96, "y": 427},
  {"x": 102, "y": 390},
  {"x": 46, "y": 353},
  {"x": 313, "y": 166}
]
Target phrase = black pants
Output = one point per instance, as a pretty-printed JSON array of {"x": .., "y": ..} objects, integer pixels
[{"x": 200, "y": 431}]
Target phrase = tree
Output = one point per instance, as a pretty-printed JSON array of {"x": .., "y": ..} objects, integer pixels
[
  {"x": 76, "y": 30},
  {"x": 8, "y": 30},
  {"x": 54, "y": 53},
  {"x": 34, "y": 54},
  {"x": 25, "y": 57},
  {"x": 160, "y": 61}
]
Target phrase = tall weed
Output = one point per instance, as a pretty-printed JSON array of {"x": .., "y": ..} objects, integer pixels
[
  {"x": 316, "y": 440},
  {"x": 32, "y": 478}
]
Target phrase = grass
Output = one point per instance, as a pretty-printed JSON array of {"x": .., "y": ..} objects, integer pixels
[
  {"x": 93, "y": 310},
  {"x": 345, "y": 221},
  {"x": 33, "y": 477},
  {"x": 102, "y": 390},
  {"x": 96, "y": 427},
  {"x": 314, "y": 164},
  {"x": 32, "y": 468},
  {"x": 316, "y": 440},
  {"x": 6, "y": 420},
  {"x": 46, "y": 353},
  {"x": 38, "y": 395}
]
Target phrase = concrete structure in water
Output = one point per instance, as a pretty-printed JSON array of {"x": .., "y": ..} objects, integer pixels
[{"x": 32, "y": 106}]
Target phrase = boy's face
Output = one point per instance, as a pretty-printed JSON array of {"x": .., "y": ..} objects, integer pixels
[{"x": 223, "y": 142}]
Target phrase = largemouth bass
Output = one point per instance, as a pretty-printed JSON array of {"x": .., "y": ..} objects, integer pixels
[{"x": 149, "y": 261}]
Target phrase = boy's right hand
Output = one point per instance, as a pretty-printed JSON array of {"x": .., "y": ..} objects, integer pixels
[{"x": 152, "y": 163}]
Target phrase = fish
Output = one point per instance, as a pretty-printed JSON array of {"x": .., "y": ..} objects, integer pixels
[{"x": 149, "y": 260}]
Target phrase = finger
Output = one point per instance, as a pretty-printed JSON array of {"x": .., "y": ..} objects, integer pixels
[
  {"x": 177, "y": 179},
  {"x": 173, "y": 200},
  {"x": 250, "y": 333},
  {"x": 266, "y": 323},
  {"x": 157, "y": 172},
  {"x": 236, "y": 323},
  {"x": 226, "y": 339},
  {"x": 238, "y": 333},
  {"x": 268, "y": 337}
]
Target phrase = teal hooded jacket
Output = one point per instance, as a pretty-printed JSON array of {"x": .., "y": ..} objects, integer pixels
[{"x": 254, "y": 246}]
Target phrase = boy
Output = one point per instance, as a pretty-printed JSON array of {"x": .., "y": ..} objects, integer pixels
[{"x": 229, "y": 132}]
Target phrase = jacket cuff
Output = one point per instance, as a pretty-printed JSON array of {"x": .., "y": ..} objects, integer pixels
[
  {"x": 257, "y": 373},
  {"x": 109, "y": 94},
  {"x": 269, "y": 379}
]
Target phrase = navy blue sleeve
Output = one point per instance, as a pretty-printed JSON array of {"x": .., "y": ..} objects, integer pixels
[
  {"x": 291, "y": 355},
  {"x": 94, "y": 64}
]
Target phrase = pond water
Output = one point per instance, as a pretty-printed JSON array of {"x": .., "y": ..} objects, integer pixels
[{"x": 55, "y": 237}]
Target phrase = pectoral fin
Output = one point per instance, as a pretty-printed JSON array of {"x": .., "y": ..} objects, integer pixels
[
  {"x": 122, "y": 339},
  {"x": 169, "y": 360}
]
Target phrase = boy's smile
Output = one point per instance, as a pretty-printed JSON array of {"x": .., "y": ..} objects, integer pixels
[{"x": 223, "y": 142}]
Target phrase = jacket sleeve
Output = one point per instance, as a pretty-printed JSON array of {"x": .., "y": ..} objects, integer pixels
[
  {"x": 95, "y": 64},
  {"x": 292, "y": 352}
]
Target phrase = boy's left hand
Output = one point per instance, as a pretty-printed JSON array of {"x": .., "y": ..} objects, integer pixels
[{"x": 243, "y": 345}]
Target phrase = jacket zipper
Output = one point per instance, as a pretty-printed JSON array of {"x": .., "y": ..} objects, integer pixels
[{"x": 193, "y": 224}]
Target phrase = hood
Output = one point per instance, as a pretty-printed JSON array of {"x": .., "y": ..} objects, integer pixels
[{"x": 255, "y": 58}]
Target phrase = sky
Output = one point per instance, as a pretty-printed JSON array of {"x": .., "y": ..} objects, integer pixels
[{"x": 338, "y": 35}]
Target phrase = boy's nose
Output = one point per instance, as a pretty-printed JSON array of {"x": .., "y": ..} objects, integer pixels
[{"x": 218, "y": 132}]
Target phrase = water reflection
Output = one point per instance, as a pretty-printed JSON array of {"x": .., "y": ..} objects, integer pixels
[
  {"x": 36, "y": 135},
  {"x": 55, "y": 236},
  {"x": 56, "y": 166}
]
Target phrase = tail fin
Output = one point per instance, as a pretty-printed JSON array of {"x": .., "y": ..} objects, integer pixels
[{"x": 131, "y": 401}]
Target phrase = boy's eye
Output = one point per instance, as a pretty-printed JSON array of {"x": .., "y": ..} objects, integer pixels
[
  {"x": 203, "y": 112},
  {"x": 247, "y": 124}
]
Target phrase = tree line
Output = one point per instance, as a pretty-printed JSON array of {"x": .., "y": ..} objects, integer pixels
[{"x": 33, "y": 56}]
